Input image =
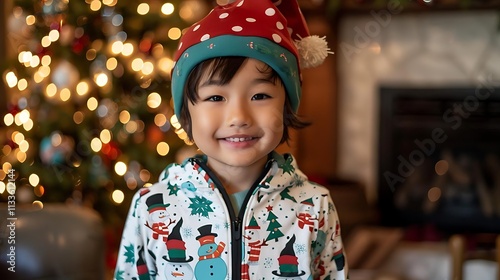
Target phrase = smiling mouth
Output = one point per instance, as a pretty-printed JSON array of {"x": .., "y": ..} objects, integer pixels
[{"x": 238, "y": 139}]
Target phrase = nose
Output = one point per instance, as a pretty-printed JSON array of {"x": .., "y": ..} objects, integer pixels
[{"x": 238, "y": 114}]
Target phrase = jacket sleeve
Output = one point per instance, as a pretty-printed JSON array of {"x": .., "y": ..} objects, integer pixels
[
  {"x": 331, "y": 261},
  {"x": 131, "y": 263}
]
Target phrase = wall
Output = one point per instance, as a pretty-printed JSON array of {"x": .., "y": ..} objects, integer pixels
[
  {"x": 414, "y": 50},
  {"x": 315, "y": 146},
  {"x": 317, "y": 143}
]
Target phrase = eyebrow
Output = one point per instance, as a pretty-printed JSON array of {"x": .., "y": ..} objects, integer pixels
[
  {"x": 216, "y": 82},
  {"x": 211, "y": 82}
]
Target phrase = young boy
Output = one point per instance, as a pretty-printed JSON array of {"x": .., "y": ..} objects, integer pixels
[{"x": 241, "y": 210}]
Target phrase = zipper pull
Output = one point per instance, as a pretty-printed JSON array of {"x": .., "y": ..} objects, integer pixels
[{"x": 237, "y": 229}]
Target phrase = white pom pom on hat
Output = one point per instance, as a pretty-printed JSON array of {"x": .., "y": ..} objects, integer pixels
[{"x": 312, "y": 49}]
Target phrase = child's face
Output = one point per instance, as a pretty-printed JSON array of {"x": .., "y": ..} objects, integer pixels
[{"x": 239, "y": 123}]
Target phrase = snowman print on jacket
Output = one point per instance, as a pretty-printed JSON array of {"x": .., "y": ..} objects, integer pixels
[
  {"x": 289, "y": 263},
  {"x": 306, "y": 217},
  {"x": 254, "y": 241},
  {"x": 158, "y": 219},
  {"x": 210, "y": 264},
  {"x": 177, "y": 267}
]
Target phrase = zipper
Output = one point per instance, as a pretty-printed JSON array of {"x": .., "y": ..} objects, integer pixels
[
  {"x": 235, "y": 221},
  {"x": 237, "y": 228}
]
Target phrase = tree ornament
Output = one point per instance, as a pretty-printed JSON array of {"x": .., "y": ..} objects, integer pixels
[
  {"x": 80, "y": 43},
  {"x": 41, "y": 51},
  {"x": 14, "y": 109},
  {"x": 65, "y": 75},
  {"x": 154, "y": 134},
  {"x": 111, "y": 150},
  {"x": 56, "y": 148}
]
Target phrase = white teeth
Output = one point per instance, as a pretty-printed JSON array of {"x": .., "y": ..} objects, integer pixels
[{"x": 234, "y": 139}]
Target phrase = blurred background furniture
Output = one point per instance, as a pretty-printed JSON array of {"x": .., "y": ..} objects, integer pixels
[
  {"x": 485, "y": 251},
  {"x": 56, "y": 242}
]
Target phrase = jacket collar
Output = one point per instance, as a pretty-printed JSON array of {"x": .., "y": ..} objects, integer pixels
[{"x": 282, "y": 173}]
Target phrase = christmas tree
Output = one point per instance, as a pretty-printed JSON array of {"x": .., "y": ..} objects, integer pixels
[
  {"x": 273, "y": 227},
  {"x": 89, "y": 118}
]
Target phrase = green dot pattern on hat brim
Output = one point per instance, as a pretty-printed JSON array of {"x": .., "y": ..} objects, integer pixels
[{"x": 277, "y": 57}]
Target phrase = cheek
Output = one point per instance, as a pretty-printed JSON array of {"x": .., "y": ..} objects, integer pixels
[
  {"x": 275, "y": 121},
  {"x": 197, "y": 127},
  {"x": 203, "y": 123}
]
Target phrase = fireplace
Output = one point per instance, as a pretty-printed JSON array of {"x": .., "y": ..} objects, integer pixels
[{"x": 439, "y": 158}]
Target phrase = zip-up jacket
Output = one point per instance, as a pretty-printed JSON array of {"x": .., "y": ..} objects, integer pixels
[{"x": 184, "y": 227}]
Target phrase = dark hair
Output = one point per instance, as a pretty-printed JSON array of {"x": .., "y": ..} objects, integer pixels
[{"x": 225, "y": 68}]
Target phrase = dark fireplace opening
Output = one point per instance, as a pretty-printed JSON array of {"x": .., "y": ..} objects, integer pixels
[{"x": 439, "y": 158}]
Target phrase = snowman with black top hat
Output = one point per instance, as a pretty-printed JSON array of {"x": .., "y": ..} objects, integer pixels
[{"x": 159, "y": 219}]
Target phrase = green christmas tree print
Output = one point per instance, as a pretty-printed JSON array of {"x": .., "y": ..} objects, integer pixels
[
  {"x": 273, "y": 227},
  {"x": 200, "y": 206},
  {"x": 129, "y": 254},
  {"x": 287, "y": 166},
  {"x": 285, "y": 194}
]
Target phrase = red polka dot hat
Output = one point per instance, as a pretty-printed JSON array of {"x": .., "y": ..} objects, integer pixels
[{"x": 275, "y": 33}]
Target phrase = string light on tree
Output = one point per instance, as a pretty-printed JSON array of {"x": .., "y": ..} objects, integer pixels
[{"x": 118, "y": 196}]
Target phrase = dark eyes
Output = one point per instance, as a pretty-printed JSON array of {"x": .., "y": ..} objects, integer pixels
[
  {"x": 218, "y": 98},
  {"x": 260, "y": 96},
  {"x": 215, "y": 98}
]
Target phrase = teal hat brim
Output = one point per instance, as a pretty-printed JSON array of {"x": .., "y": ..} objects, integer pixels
[{"x": 277, "y": 57}]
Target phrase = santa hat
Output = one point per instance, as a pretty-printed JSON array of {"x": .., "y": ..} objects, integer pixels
[
  {"x": 253, "y": 224},
  {"x": 274, "y": 33},
  {"x": 288, "y": 262},
  {"x": 176, "y": 247}
]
